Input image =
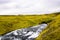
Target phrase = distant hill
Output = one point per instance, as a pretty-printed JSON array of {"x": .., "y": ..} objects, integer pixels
[{"x": 13, "y": 22}]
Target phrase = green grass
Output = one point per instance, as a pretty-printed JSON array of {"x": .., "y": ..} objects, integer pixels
[
  {"x": 13, "y": 22},
  {"x": 52, "y": 31},
  {"x": 10, "y": 23}
]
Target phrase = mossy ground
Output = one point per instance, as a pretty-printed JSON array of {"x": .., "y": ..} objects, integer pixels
[{"x": 13, "y": 22}]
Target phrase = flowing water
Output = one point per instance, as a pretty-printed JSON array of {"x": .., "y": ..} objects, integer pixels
[{"x": 24, "y": 34}]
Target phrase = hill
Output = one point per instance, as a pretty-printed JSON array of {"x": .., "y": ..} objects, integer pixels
[
  {"x": 12, "y": 22},
  {"x": 52, "y": 31}
]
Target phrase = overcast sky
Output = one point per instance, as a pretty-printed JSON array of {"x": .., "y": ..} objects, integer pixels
[{"x": 12, "y": 7}]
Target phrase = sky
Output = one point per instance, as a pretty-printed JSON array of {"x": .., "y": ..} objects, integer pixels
[{"x": 28, "y": 7}]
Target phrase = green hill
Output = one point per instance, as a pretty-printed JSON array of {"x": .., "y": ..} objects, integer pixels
[
  {"x": 13, "y": 22},
  {"x": 52, "y": 31}
]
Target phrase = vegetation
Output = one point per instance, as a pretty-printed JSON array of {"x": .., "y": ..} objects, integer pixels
[
  {"x": 13, "y": 22},
  {"x": 52, "y": 31}
]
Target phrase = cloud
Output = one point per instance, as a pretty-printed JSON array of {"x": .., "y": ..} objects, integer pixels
[
  {"x": 4, "y": 1},
  {"x": 11, "y": 7}
]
